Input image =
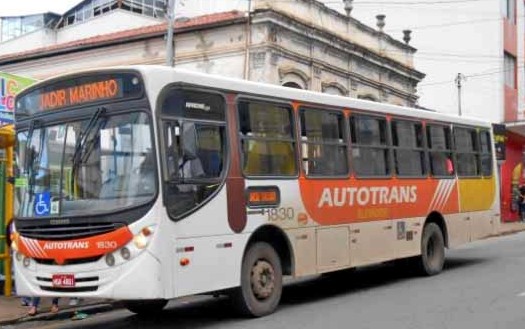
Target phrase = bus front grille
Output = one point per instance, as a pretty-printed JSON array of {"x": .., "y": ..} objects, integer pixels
[
  {"x": 87, "y": 279},
  {"x": 70, "y": 290},
  {"x": 68, "y": 232},
  {"x": 45, "y": 261}
]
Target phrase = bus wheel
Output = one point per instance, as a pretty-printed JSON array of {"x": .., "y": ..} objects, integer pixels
[
  {"x": 145, "y": 307},
  {"x": 261, "y": 281},
  {"x": 432, "y": 250}
]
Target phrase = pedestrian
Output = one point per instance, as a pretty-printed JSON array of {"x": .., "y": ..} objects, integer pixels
[
  {"x": 35, "y": 301},
  {"x": 521, "y": 200},
  {"x": 25, "y": 301}
]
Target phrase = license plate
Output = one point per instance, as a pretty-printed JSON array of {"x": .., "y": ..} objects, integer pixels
[{"x": 63, "y": 280}]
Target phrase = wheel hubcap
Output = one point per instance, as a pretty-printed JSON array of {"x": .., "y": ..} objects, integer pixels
[
  {"x": 262, "y": 279},
  {"x": 433, "y": 252}
]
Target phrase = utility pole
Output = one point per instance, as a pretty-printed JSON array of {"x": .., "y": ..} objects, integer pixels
[
  {"x": 459, "y": 78},
  {"x": 170, "y": 53}
]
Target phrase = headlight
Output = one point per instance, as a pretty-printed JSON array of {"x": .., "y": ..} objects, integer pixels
[
  {"x": 14, "y": 245},
  {"x": 125, "y": 253},
  {"x": 110, "y": 260},
  {"x": 27, "y": 261}
]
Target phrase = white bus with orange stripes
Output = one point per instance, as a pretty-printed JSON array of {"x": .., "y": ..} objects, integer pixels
[{"x": 149, "y": 183}]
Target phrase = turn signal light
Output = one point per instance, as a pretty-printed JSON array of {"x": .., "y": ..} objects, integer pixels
[
  {"x": 147, "y": 231},
  {"x": 142, "y": 239}
]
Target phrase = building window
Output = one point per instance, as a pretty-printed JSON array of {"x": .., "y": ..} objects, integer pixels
[
  {"x": 292, "y": 85},
  {"x": 323, "y": 145},
  {"x": 510, "y": 11},
  {"x": 370, "y": 153},
  {"x": 90, "y": 9},
  {"x": 368, "y": 97},
  {"x": 510, "y": 70},
  {"x": 13, "y": 27}
]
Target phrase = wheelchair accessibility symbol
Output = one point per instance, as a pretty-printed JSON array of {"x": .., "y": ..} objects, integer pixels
[{"x": 42, "y": 203}]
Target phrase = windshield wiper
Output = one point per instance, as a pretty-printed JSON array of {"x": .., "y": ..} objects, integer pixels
[
  {"x": 30, "y": 156},
  {"x": 81, "y": 141},
  {"x": 28, "y": 159}
]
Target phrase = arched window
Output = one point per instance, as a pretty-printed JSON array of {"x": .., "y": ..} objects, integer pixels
[
  {"x": 292, "y": 84},
  {"x": 368, "y": 97},
  {"x": 293, "y": 77},
  {"x": 334, "y": 88}
]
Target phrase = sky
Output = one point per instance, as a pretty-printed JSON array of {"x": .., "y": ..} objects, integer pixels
[
  {"x": 364, "y": 10},
  {"x": 27, "y": 7}
]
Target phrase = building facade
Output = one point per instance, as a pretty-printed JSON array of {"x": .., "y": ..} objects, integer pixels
[{"x": 299, "y": 43}]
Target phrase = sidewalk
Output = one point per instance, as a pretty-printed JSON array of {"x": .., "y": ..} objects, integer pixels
[
  {"x": 509, "y": 228},
  {"x": 11, "y": 310}
]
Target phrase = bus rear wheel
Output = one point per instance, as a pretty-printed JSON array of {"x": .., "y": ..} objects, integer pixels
[
  {"x": 432, "y": 250},
  {"x": 145, "y": 308},
  {"x": 261, "y": 281}
]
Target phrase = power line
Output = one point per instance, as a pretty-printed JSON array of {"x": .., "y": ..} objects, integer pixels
[
  {"x": 475, "y": 75},
  {"x": 434, "y": 2}
]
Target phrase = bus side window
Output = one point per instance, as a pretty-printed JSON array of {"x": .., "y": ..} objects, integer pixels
[
  {"x": 466, "y": 145},
  {"x": 407, "y": 143},
  {"x": 267, "y": 139},
  {"x": 485, "y": 153},
  {"x": 440, "y": 150},
  {"x": 370, "y": 149},
  {"x": 323, "y": 144}
]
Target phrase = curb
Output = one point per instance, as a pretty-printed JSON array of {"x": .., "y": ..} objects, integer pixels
[
  {"x": 505, "y": 233},
  {"x": 65, "y": 313}
]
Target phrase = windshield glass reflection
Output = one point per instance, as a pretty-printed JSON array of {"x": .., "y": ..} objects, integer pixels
[{"x": 99, "y": 165}]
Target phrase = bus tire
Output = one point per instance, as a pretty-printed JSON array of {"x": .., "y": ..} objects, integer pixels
[
  {"x": 145, "y": 307},
  {"x": 261, "y": 281},
  {"x": 432, "y": 250}
]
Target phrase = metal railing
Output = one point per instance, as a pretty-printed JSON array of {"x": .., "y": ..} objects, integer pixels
[
  {"x": 6, "y": 258},
  {"x": 7, "y": 140}
]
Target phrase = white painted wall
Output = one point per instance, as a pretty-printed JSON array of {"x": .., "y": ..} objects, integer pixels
[
  {"x": 36, "y": 39},
  {"x": 113, "y": 21},
  {"x": 464, "y": 37}
]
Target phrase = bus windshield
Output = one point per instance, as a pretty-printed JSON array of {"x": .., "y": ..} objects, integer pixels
[{"x": 98, "y": 165}]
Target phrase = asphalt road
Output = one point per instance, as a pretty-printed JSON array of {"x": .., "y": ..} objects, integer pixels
[{"x": 482, "y": 286}]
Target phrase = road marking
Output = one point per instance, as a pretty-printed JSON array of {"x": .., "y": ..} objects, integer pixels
[{"x": 522, "y": 294}]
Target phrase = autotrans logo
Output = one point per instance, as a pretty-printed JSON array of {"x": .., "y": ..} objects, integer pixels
[
  {"x": 10, "y": 86},
  {"x": 66, "y": 245},
  {"x": 333, "y": 202}
]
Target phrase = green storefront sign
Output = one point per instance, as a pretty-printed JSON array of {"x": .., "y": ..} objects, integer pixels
[{"x": 10, "y": 86}]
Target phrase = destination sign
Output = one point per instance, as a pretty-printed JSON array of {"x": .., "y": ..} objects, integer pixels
[
  {"x": 76, "y": 95},
  {"x": 78, "y": 91}
]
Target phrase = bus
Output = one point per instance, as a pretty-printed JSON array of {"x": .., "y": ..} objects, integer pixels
[{"x": 148, "y": 183}]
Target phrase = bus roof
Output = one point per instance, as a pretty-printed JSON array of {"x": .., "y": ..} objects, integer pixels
[{"x": 157, "y": 76}]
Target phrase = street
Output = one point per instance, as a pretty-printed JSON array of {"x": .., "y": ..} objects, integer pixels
[{"x": 482, "y": 286}]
